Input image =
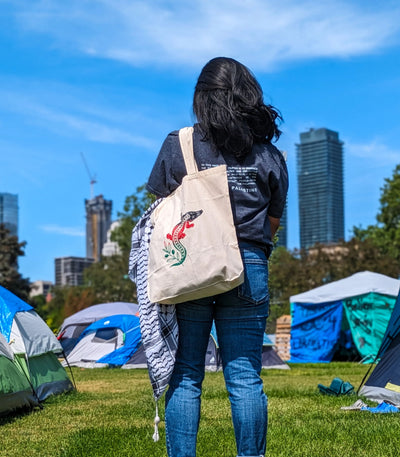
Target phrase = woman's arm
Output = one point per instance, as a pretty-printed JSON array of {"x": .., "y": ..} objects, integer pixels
[{"x": 274, "y": 223}]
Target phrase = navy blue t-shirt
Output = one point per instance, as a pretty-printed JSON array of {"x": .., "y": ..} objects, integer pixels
[{"x": 258, "y": 185}]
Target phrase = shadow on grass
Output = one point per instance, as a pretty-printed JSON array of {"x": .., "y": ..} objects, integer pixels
[{"x": 17, "y": 414}]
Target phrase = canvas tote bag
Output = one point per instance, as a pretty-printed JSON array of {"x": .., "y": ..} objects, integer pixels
[{"x": 194, "y": 251}]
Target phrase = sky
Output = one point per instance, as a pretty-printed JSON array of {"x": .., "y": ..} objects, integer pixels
[{"x": 109, "y": 79}]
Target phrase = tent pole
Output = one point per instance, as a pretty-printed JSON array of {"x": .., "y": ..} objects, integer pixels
[
  {"x": 366, "y": 375},
  {"x": 70, "y": 369}
]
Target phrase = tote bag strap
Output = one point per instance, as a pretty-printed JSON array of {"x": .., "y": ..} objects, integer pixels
[{"x": 186, "y": 142}]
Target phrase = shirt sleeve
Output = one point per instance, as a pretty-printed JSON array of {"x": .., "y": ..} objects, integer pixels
[
  {"x": 166, "y": 174},
  {"x": 279, "y": 184}
]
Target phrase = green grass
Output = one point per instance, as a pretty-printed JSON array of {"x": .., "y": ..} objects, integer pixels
[{"x": 111, "y": 415}]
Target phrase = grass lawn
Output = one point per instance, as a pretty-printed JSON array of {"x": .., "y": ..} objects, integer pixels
[{"x": 111, "y": 415}]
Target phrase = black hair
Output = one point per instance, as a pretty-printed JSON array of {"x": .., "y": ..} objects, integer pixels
[{"x": 229, "y": 107}]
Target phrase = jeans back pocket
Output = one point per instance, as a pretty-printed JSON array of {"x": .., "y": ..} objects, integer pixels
[{"x": 255, "y": 286}]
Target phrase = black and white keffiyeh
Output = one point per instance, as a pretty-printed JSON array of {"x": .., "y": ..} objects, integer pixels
[{"x": 158, "y": 323}]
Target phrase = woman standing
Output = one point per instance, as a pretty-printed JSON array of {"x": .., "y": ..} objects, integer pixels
[{"x": 235, "y": 128}]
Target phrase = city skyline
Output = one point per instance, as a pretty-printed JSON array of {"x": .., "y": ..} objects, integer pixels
[{"x": 112, "y": 81}]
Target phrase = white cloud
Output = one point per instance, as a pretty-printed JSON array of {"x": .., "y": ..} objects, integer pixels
[
  {"x": 262, "y": 33},
  {"x": 76, "y": 118},
  {"x": 59, "y": 230},
  {"x": 92, "y": 130},
  {"x": 375, "y": 152}
]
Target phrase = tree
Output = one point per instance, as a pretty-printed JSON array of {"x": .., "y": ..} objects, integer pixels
[
  {"x": 135, "y": 205},
  {"x": 40, "y": 305},
  {"x": 386, "y": 233},
  {"x": 10, "y": 250},
  {"x": 66, "y": 300},
  {"x": 108, "y": 280},
  {"x": 293, "y": 272}
]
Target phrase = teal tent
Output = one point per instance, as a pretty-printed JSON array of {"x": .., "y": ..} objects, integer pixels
[{"x": 354, "y": 310}]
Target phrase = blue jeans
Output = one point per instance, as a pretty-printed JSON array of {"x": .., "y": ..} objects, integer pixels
[{"x": 240, "y": 318}]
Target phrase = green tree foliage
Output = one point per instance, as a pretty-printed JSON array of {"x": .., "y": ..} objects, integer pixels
[
  {"x": 10, "y": 250},
  {"x": 40, "y": 305},
  {"x": 135, "y": 205},
  {"x": 108, "y": 280},
  {"x": 294, "y": 272},
  {"x": 65, "y": 301},
  {"x": 386, "y": 233}
]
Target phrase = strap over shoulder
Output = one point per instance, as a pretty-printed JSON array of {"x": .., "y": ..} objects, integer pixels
[{"x": 186, "y": 142}]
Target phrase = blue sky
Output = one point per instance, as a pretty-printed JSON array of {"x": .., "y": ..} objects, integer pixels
[{"x": 111, "y": 78}]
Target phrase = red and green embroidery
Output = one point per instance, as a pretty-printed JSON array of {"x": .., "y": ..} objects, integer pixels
[{"x": 176, "y": 251}]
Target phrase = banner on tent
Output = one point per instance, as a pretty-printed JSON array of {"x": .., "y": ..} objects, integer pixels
[
  {"x": 315, "y": 331},
  {"x": 368, "y": 316}
]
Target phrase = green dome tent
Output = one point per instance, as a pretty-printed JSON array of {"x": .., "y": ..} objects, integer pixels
[
  {"x": 15, "y": 389},
  {"x": 33, "y": 345}
]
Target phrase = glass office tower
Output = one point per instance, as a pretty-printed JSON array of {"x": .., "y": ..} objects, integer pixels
[
  {"x": 283, "y": 230},
  {"x": 9, "y": 212},
  {"x": 320, "y": 187}
]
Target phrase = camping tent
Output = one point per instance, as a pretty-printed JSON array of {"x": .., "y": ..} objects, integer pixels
[
  {"x": 74, "y": 325},
  {"x": 270, "y": 358},
  {"x": 138, "y": 359},
  {"x": 111, "y": 341},
  {"x": 33, "y": 344},
  {"x": 384, "y": 382},
  {"x": 360, "y": 305},
  {"x": 15, "y": 390}
]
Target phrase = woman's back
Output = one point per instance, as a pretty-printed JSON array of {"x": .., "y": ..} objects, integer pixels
[{"x": 257, "y": 183}]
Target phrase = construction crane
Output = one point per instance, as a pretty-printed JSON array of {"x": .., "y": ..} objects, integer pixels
[{"x": 91, "y": 177}]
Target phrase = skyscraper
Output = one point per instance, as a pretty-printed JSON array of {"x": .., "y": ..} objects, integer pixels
[
  {"x": 283, "y": 230},
  {"x": 320, "y": 186},
  {"x": 9, "y": 212},
  {"x": 98, "y": 221}
]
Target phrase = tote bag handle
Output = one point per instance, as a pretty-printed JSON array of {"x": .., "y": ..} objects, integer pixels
[{"x": 186, "y": 142}]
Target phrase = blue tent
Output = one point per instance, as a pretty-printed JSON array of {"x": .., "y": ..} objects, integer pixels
[
  {"x": 10, "y": 304},
  {"x": 74, "y": 325},
  {"x": 270, "y": 358},
  {"x": 33, "y": 346},
  {"x": 111, "y": 341},
  {"x": 352, "y": 312},
  {"x": 384, "y": 382}
]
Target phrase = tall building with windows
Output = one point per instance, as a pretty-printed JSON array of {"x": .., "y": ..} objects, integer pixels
[
  {"x": 283, "y": 230},
  {"x": 69, "y": 270},
  {"x": 98, "y": 222},
  {"x": 283, "y": 227},
  {"x": 320, "y": 187},
  {"x": 9, "y": 212}
]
